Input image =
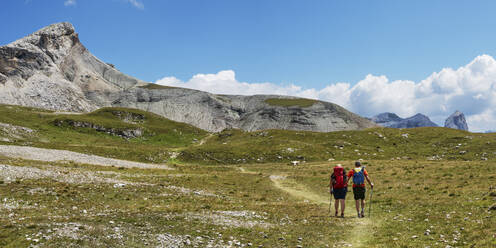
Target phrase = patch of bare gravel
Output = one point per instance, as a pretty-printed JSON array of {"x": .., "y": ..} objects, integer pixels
[
  {"x": 247, "y": 219},
  {"x": 186, "y": 191},
  {"x": 52, "y": 155},
  {"x": 9, "y": 173},
  {"x": 13, "y": 204},
  {"x": 15, "y": 132},
  {"x": 71, "y": 230},
  {"x": 176, "y": 241}
]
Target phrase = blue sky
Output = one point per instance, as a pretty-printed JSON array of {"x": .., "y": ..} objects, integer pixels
[
  {"x": 269, "y": 41},
  {"x": 296, "y": 46}
]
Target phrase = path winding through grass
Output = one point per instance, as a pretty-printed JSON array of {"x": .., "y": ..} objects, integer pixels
[{"x": 360, "y": 228}]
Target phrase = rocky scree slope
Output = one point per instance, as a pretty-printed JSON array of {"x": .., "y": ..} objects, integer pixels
[
  {"x": 393, "y": 121},
  {"x": 456, "y": 121},
  {"x": 51, "y": 69}
]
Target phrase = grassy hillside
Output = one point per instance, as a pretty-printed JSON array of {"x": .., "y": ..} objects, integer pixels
[
  {"x": 143, "y": 136},
  {"x": 285, "y": 102},
  {"x": 159, "y": 136},
  {"x": 236, "y": 146},
  {"x": 154, "y": 86}
]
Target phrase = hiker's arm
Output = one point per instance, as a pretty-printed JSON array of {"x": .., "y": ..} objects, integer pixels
[{"x": 368, "y": 180}]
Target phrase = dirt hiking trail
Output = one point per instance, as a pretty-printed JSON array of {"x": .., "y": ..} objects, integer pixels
[{"x": 358, "y": 232}]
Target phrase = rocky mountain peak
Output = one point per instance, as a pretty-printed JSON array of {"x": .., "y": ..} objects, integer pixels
[
  {"x": 456, "y": 121},
  {"x": 55, "y": 41},
  {"x": 53, "y": 31},
  {"x": 420, "y": 116},
  {"x": 394, "y": 121},
  {"x": 51, "y": 69},
  {"x": 386, "y": 117}
]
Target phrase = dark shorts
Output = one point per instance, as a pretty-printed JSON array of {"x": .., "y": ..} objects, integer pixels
[
  {"x": 340, "y": 193},
  {"x": 359, "y": 193}
]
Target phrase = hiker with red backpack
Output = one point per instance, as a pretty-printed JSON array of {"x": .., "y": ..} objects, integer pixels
[
  {"x": 338, "y": 187},
  {"x": 359, "y": 174}
]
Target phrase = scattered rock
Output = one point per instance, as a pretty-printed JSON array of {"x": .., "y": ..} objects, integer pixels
[
  {"x": 119, "y": 185},
  {"x": 295, "y": 163},
  {"x": 493, "y": 207}
]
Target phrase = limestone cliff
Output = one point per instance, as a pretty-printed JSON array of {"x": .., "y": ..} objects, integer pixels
[{"x": 51, "y": 69}]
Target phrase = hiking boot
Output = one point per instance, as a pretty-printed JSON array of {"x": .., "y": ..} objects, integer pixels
[
  {"x": 362, "y": 214},
  {"x": 359, "y": 216},
  {"x": 342, "y": 215}
]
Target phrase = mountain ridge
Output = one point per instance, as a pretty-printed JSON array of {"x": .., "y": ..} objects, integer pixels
[
  {"x": 394, "y": 121},
  {"x": 52, "y": 69}
]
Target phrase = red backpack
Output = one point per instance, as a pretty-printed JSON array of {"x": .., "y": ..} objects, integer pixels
[{"x": 338, "y": 178}]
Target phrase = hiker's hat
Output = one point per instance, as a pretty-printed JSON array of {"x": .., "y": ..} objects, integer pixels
[{"x": 357, "y": 163}]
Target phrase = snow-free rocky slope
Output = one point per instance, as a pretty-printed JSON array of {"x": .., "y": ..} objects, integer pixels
[
  {"x": 457, "y": 121},
  {"x": 51, "y": 69},
  {"x": 393, "y": 121}
]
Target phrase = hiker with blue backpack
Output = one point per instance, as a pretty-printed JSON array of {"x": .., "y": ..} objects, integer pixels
[
  {"x": 338, "y": 187},
  {"x": 359, "y": 174}
]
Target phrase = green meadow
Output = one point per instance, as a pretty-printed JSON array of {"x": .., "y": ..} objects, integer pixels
[{"x": 434, "y": 187}]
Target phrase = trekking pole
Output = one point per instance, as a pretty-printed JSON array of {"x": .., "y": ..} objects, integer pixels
[
  {"x": 330, "y": 202},
  {"x": 371, "y": 193}
]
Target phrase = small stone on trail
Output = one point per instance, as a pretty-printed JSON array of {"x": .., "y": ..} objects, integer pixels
[{"x": 492, "y": 208}]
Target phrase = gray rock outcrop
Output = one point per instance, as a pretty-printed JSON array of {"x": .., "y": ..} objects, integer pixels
[
  {"x": 51, "y": 69},
  {"x": 387, "y": 119},
  {"x": 456, "y": 121},
  {"x": 393, "y": 121}
]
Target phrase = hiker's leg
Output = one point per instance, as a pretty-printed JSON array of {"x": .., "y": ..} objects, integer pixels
[
  {"x": 342, "y": 206},
  {"x": 336, "y": 205},
  {"x": 357, "y": 205},
  {"x": 363, "y": 204}
]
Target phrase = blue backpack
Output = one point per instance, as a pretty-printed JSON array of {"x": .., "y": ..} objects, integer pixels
[{"x": 359, "y": 177}]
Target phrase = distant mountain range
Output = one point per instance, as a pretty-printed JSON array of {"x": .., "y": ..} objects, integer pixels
[
  {"x": 456, "y": 121},
  {"x": 394, "y": 121}
]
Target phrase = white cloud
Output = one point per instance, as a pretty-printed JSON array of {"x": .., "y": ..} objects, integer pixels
[
  {"x": 224, "y": 82},
  {"x": 470, "y": 89},
  {"x": 136, "y": 4},
  {"x": 70, "y": 2}
]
